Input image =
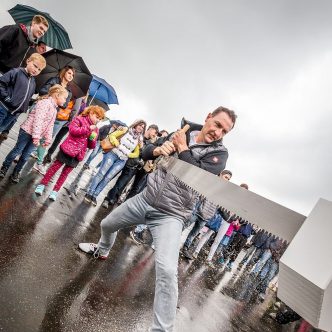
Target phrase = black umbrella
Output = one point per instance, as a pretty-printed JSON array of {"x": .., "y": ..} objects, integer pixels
[{"x": 55, "y": 61}]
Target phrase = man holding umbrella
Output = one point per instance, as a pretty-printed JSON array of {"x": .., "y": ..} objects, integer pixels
[{"x": 18, "y": 42}]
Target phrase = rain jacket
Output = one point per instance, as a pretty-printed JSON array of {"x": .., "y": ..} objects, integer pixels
[
  {"x": 16, "y": 90},
  {"x": 40, "y": 121},
  {"x": 15, "y": 46},
  {"x": 78, "y": 141},
  {"x": 260, "y": 239},
  {"x": 168, "y": 194}
]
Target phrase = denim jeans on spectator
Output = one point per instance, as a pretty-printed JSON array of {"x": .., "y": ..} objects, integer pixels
[
  {"x": 262, "y": 261},
  {"x": 23, "y": 147},
  {"x": 110, "y": 166},
  {"x": 199, "y": 224},
  {"x": 94, "y": 153},
  {"x": 6, "y": 119},
  {"x": 269, "y": 271}
]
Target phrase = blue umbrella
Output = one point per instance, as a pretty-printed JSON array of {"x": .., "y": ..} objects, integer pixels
[
  {"x": 56, "y": 35},
  {"x": 103, "y": 91}
]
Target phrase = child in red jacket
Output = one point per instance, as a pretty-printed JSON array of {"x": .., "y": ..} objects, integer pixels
[{"x": 83, "y": 135}]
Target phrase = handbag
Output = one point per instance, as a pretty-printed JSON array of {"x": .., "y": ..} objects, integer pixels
[{"x": 106, "y": 145}]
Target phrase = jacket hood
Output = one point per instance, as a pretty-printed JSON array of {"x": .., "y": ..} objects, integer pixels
[{"x": 138, "y": 121}]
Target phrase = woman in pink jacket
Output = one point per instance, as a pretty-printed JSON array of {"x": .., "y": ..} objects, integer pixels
[
  {"x": 38, "y": 126},
  {"x": 83, "y": 135}
]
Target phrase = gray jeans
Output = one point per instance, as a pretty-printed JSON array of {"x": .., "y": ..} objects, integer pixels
[{"x": 166, "y": 232}]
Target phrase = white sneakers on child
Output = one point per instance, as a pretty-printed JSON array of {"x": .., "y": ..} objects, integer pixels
[
  {"x": 39, "y": 189},
  {"x": 53, "y": 195}
]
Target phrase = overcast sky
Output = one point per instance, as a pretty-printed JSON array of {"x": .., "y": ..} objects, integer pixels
[{"x": 270, "y": 61}]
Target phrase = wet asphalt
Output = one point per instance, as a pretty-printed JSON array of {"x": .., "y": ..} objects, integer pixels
[{"x": 46, "y": 284}]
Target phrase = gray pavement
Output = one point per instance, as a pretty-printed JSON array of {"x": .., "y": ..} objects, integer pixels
[{"x": 46, "y": 284}]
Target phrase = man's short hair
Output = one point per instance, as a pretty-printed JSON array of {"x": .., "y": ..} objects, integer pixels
[
  {"x": 40, "y": 19},
  {"x": 38, "y": 57},
  {"x": 221, "y": 109},
  {"x": 244, "y": 185},
  {"x": 155, "y": 127},
  {"x": 41, "y": 42},
  {"x": 226, "y": 171}
]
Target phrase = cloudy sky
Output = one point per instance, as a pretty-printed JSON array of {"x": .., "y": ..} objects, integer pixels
[{"x": 270, "y": 61}]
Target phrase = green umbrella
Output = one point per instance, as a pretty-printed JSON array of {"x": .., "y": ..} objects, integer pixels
[{"x": 56, "y": 35}]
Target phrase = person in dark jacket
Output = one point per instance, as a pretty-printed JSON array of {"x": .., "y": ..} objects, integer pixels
[
  {"x": 271, "y": 268},
  {"x": 16, "y": 89},
  {"x": 40, "y": 48},
  {"x": 240, "y": 239},
  {"x": 18, "y": 42},
  {"x": 166, "y": 203},
  {"x": 199, "y": 222},
  {"x": 256, "y": 248},
  {"x": 133, "y": 167}
]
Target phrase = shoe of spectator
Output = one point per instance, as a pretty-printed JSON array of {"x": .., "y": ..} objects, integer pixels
[
  {"x": 273, "y": 315},
  {"x": 221, "y": 261},
  {"x": 3, "y": 172},
  {"x": 88, "y": 198},
  {"x": 15, "y": 177},
  {"x": 39, "y": 189},
  {"x": 105, "y": 204},
  {"x": 92, "y": 249},
  {"x": 185, "y": 252},
  {"x": 261, "y": 296},
  {"x": 3, "y": 136},
  {"x": 34, "y": 155},
  {"x": 195, "y": 254},
  {"x": 53, "y": 195},
  {"x": 47, "y": 159},
  {"x": 277, "y": 304},
  {"x": 93, "y": 201},
  {"x": 210, "y": 264},
  {"x": 39, "y": 168},
  {"x": 229, "y": 266}
]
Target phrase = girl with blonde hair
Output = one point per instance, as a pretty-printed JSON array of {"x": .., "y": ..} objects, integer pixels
[{"x": 36, "y": 128}]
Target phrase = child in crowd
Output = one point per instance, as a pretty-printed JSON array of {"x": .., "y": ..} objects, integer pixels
[
  {"x": 83, "y": 134},
  {"x": 38, "y": 126},
  {"x": 126, "y": 144},
  {"x": 16, "y": 89}
]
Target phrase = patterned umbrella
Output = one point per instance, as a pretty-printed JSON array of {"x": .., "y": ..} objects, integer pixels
[
  {"x": 55, "y": 61},
  {"x": 56, "y": 35}
]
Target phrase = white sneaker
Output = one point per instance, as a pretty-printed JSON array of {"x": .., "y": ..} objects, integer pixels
[
  {"x": 91, "y": 249},
  {"x": 41, "y": 169}
]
